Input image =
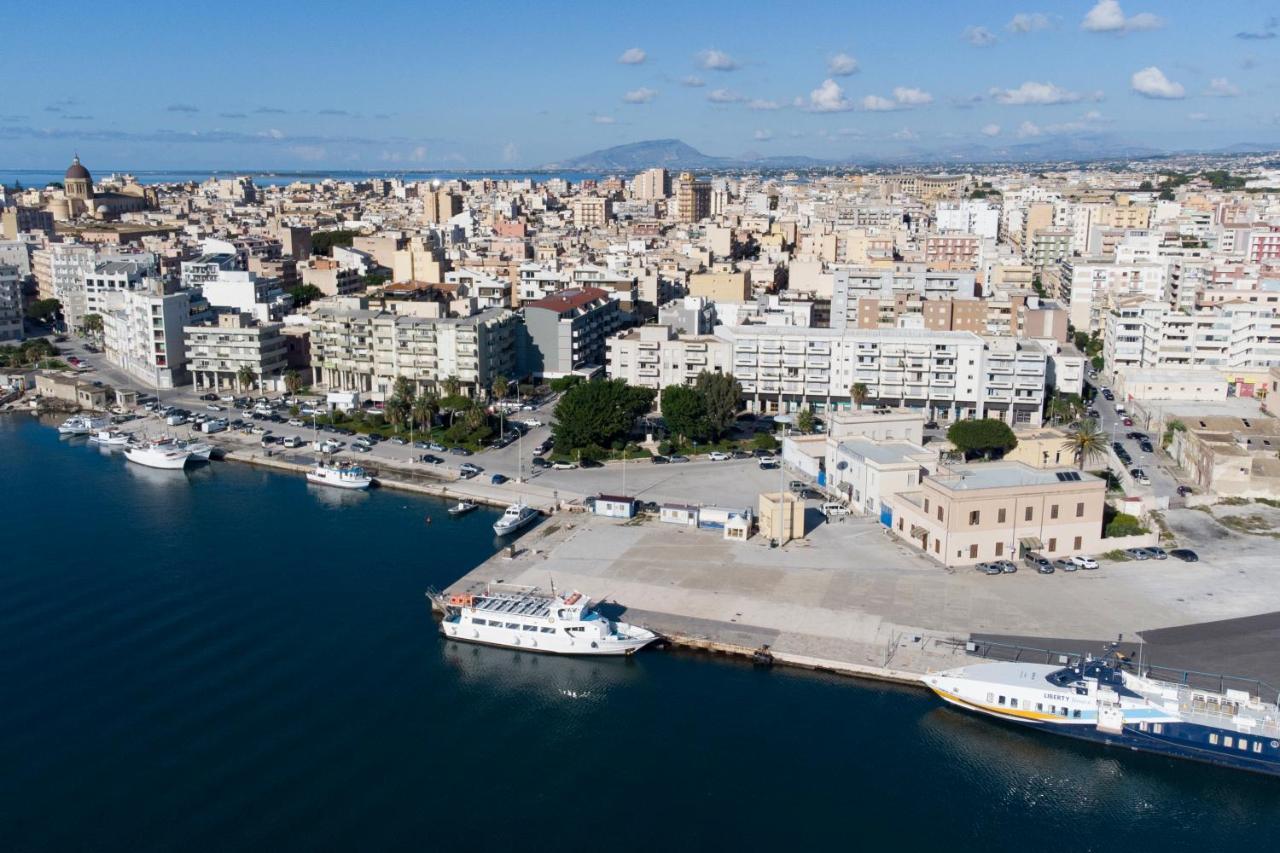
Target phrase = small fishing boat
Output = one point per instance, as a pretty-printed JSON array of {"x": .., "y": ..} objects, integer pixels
[{"x": 462, "y": 508}]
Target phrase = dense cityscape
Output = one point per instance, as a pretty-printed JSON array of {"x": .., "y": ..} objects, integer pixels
[{"x": 982, "y": 445}]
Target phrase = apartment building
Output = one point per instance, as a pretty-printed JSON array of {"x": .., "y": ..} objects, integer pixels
[
  {"x": 1088, "y": 287},
  {"x": 1144, "y": 333},
  {"x": 980, "y": 218},
  {"x": 953, "y": 251},
  {"x": 1049, "y": 246},
  {"x": 693, "y": 198},
  {"x": 24, "y": 220},
  {"x": 216, "y": 353},
  {"x": 651, "y": 185},
  {"x": 59, "y": 269},
  {"x": 850, "y": 284},
  {"x": 354, "y": 348},
  {"x": 440, "y": 205},
  {"x": 331, "y": 277},
  {"x": 567, "y": 331},
  {"x": 726, "y": 286},
  {"x": 143, "y": 334},
  {"x": 947, "y": 375},
  {"x": 104, "y": 278},
  {"x": 1000, "y": 510},
  {"x": 591, "y": 211},
  {"x": 655, "y": 356},
  {"x": 10, "y": 303}
]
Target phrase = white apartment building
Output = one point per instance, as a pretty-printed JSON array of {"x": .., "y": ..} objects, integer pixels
[
  {"x": 216, "y": 353},
  {"x": 948, "y": 375},
  {"x": 488, "y": 290},
  {"x": 1142, "y": 333},
  {"x": 60, "y": 270},
  {"x": 240, "y": 291},
  {"x": 849, "y": 284},
  {"x": 142, "y": 335},
  {"x": 969, "y": 217},
  {"x": 105, "y": 278},
  {"x": 1089, "y": 287},
  {"x": 357, "y": 349},
  {"x": 655, "y": 357}
]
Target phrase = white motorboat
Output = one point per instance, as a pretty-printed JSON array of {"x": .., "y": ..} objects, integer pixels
[
  {"x": 462, "y": 508},
  {"x": 522, "y": 618},
  {"x": 157, "y": 454},
  {"x": 110, "y": 438},
  {"x": 516, "y": 516},
  {"x": 343, "y": 475},
  {"x": 83, "y": 425}
]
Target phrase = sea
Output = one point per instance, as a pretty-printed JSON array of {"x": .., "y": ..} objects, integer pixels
[
  {"x": 231, "y": 659},
  {"x": 267, "y": 178}
]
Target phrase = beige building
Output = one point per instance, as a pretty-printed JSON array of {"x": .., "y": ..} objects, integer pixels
[
  {"x": 591, "y": 211},
  {"x": 1000, "y": 510},
  {"x": 1230, "y": 456},
  {"x": 330, "y": 277},
  {"x": 71, "y": 389},
  {"x": 781, "y": 516},
  {"x": 655, "y": 356},
  {"x": 440, "y": 205},
  {"x": 216, "y": 353},
  {"x": 693, "y": 198},
  {"x": 721, "y": 286}
]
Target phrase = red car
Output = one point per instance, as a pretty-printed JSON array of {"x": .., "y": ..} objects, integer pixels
[{"x": 1128, "y": 421}]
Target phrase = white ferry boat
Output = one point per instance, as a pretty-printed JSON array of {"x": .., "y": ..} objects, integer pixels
[
  {"x": 516, "y": 516},
  {"x": 110, "y": 438},
  {"x": 1098, "y": 700},
  {"x": 157, "y": 454},
  {"x": 342, "y": 475},
  {"x": 522, "y": 618},
  {"x": 82, "y": 425}
]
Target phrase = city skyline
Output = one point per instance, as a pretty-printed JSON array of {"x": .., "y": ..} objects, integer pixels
[{"x": 468, "y": 88}]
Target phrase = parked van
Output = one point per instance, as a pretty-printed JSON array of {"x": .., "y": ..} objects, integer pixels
[
  {"x": 830, "y": 509},
  {"x": 214, "y": 425}
]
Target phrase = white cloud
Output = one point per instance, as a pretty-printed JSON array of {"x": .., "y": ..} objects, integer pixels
[
  {"x": 762, "y": 135},
  {"x": 693, "y": 81},
  {"x": 639, "y": 96},
  {"x": 905, "y": 134},
  {"x": 604, "y": 119},
  {"x": 1032, "y": 92},
  {"x": 912, "y": 97},
  {"x": 842, "y": 65},
  {"x": 510, "y": 153},
  {"x": 828, "y": 98},
  {"x": 991, "y": 130},
  {"x": 717, "y": 60},
  {"x": 1198, "y": 116},
  {"x": 1028, "y": 22},
  {"x": 1221, "y": 87},
  {"x": 877, "y": 104},
  {"x": 1028, "y": 129},
  {"x": 1151, "y": 83},
  {"x": 979, "y": 36},
  {"x": 273, "y": 133},
  {"x": 724, "y": 96},
  {"x": 633, "y": 56},
  {"x": 763, "y": 104},
  {"x": 1108, "y": 17}
]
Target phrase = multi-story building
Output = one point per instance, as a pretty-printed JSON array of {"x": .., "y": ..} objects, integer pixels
[
  {"x": 1089, "y": 286},
  {"x": 724, "y": 286},
  {"x": 953, "y": 251},
  {"x": 651, "y": 185},
  {"x": 440, "y": 205},
  {"x": 948, "y": 375},
  {"x": 331, "y": 277},
  {"x": 142, "y": 334},
  {"x": 208, "y": 268},
  {"x": 567, "y": 331},
  {"x": 1143, "y": 333},
  {"x": 655, "y": 356},
  {"x": 693, "y": 198},
  {"x": 106, "y": 277},
  {"x": 1000, "y": 510},
  {"x": 969, "y": 217},
  {"x": 20, "y": 220},
  {"x": 591, "y": 211},
  {"x": 60, "y": 269},
  {"x": 10, "y": 303},
  {"x": 850, "y": 284},
  {"x": 357, "y": 349},
  {"x": 216, "y": 353},
  {"x": 1049, "y": 246}
]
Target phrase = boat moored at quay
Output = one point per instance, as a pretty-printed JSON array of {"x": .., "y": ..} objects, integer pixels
[
  {"x": 1098, "y": 699},
  {"x": 521, "y": 617},
  {"x": 342, "y": 476},
  {"x": 82, "y": 425},
  {"x": 157, "y": 454}
]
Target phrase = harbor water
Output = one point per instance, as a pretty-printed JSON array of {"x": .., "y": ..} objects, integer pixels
[{"x": 230, "y": 659}]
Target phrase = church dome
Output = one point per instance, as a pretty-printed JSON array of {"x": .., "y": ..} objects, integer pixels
[{"x": 77, "y": 172}]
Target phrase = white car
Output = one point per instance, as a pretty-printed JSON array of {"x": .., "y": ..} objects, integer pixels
[
  {"x": 297, "y": 422},
  {"x": 718, "y": 456},
  {"x": 1084, "y": 561},
  {"x": 564, "y": 466},
  {"x": 533, "y": 422},
  {"x": 830, "y": 509}
]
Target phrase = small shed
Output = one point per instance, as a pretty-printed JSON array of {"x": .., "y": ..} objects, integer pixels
[
  {"x": 615, "y": 506},
  {"x": 681, "y": 514},
  {"x": 716, "y": 517},
  {"x": 737, "y": 530},
  {"x": 781, "y": 516}
]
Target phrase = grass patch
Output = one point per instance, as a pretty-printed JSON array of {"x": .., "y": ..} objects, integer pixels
[
  {"x": 1116, "y": 555},
  {"x": 1256, "y": 525},
  {"x": 1234, "y": 502},
  {"x": 1271, "y": 502}
]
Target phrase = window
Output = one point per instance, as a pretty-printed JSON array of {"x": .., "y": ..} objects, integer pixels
[
  {"x": 937, "y": 546},
  {"x": 1242, "y": 745},
  {"x": 1053, "y": 511},
  {"x": 973, "y": 552},
  {"x": 1077, "y": 543},
  {"x": 530, "y": 627},
  {"x": 1063, "y": 711},
  {"x": 926, "y": 505},
  {"x": 547, "y": 630},
  {"x": 939, "y": 513},
  {"x": 1028, "y": 514},
  {"x": 1076, "y": 713},
  {"x": 514, "y": 626},
  {"x": 1039, "y": 706},
  {"x": 991, "y": 697},
  {"x": 1142, "y": 727},
  {"x": 1013, "y": 703},
  {"x": 974, "y": 518},
  {"x": 1053, "y": 545},
  {"x": 1257, "y": 746},
  {"x": 1000, "y": 516},
  {"x": 999, "y": 549},
  {"x": 1213, "y": 739},
  {"x": 1080, "y": 510},
  {"x": 1001, "y": 700},
  {"x": 1228, "y": 741},
  {"x": 1158, "y": 728}
]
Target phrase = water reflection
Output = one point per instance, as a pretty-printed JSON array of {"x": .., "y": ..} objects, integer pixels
[
  {"x": 156, "y": 477},
  {"x": 333, "y": 498},
  {"x": 549, "y": 677}
]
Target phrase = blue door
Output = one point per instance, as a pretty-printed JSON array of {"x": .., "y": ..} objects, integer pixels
[{"x": 886, "y": 515}]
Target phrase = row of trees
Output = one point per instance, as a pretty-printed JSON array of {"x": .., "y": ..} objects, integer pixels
[
  {"x": 598, "y": 414},
  {"x": 989, "y": 437},
  {"x": 705, "y": 411}
]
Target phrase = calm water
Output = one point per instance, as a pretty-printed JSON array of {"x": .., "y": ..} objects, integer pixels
[{"x": 233, "y": 660}]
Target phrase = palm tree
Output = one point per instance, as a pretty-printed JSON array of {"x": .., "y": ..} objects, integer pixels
[
  {"x": 859, "y": 394},
  {"x": 500, "y": 383},
  {"x": 403, "y": 389},
  {"x": 473, "y": 418},
  {"x": 397, "y": 412},
  {"x": 1086, "y": 442},
  {"x": 451, "y": 386},
  {"x": 292, "y": 382},
  {"x": 424, "y": 410},
  {"x": 245, "y": 377}
]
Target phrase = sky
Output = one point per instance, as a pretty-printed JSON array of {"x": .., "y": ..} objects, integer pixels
[{"x": 475, "y": 85}]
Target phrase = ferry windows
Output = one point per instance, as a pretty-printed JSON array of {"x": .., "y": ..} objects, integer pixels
[
  {"x": 1228, "y": 741},
  {"x": 1039, "y": 706},
  {"x": 1076, "y": 713},
  {"x": 1001, "y": 700},
  {"x": 1013, "y": 702},
  {"x": 1213, "y": 738},
  {"x": 1257, "y": 746},
  {"x": 514, "y": 626},
  {"x": 1142, "y": 727},
  {"x": 991, "y": 697},
  {"x": 1158, "y": 728},
  {"x": 1063, "y": 711},
  {"x": 547, "y": 630},
  {"x": 1243, "y": 745},
  {"x": 531, "y": 627}
]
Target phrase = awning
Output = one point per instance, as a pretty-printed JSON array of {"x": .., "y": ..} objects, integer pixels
[{"x": 1031, "y": 542}]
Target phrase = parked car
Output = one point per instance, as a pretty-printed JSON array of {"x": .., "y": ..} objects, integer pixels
[
  {"x": 590, "y": 463},
  {"x": 1128, "y": 421},
  {"x": 436, "y": 446},
  {"x": 934, "y": 425},
  {"x": 498, "y": 479},
  {"x": 564, "y": 465},
  {"x": 678, "y": 458},
  {"x": 297, "y": 422},
  {"x": 421, "y": 445},
  {"x": 1183, "y": 491},
  {"x": 1039, "y": 563},
  {"x": 460, "y": 451},
  {"x": 1147, "y": 447},
  {"x": 293, "y": 441},
  {"x": 1186, "y": 555},
  {"x": 740, "y": 454},
  {"x": 810, "y": 495},
  {"x": 1007, "y": 566},
  {"x": 360, "y": 448},
  {"x": 768, "y": 464},
  {"x": 532, "y": 422},
  {"x": 1157, "y": 553},
  {"x": 209, "y": 397},
  {"x": 399, "y": 440},
  {"x": 659, "y": 460},
  {"x": 795, "y": 485},
  {"x": 213, "y": 407},
  {"x": 1064, "y": 565},
  {"x": 718, "y": 456},
  {"x": 832, "y": 508},
  {"x": 1140, "y": 476},
  {"x": 430, "y": 459},
  {"x": 470, "y": 468},
  {"x": 539, "y": 462},
  {"x": 1137, "y": 554},
  {"x": 1084, "y": 561},
  {"x": 989, "y": 569}
]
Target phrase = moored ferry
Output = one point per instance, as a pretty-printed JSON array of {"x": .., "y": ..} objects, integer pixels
[
  {"x": 520, "y": 617},
  {"x": 1099, "y": 700}
]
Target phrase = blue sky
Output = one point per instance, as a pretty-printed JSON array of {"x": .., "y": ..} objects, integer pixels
[{"x": 151, "y": 85}]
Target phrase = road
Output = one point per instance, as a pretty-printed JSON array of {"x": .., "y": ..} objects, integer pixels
[{"x": 1157, "y": 465}]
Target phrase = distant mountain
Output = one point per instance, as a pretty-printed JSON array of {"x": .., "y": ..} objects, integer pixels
[{"x": 671, "y": 153}]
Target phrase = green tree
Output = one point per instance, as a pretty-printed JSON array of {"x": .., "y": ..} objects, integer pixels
[
  {"x": 305, "y": 294},
  {"x": 564, "y": 383},
  {"x": 985, "y": 437},
  {"x": 764, "y": 441},
  {"x": 1086, "y": 442},
  {"x": 44, "y": 310},
  {"x": 721, "y": 399},
  {"x": 403, "y": 389},
  {"x": 424, "y": 410},
  {"x": 858, "y": 393},
  {"x": 1123, "y": 524},
  {"x": 245, "y": 377},
  {"x": 597, "y": 412},
  {"x": 474, "y": 417},
  {"x": 92, "y": 324},
  {"x": 292, "y": 381},
  {"x": 396, "y": 411},
  {"x": 451, "y": 386},
  {"x": 500, "y": 386},
  {"x": 685, "y": 412},
  {"x": 322, "y": 242},
  {"x": 804, "y": 421}
]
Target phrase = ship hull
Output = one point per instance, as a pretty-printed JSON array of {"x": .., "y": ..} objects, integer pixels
[
  {"x": 496, "y": 639},
  {"x": 1187, "y": 741}
]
